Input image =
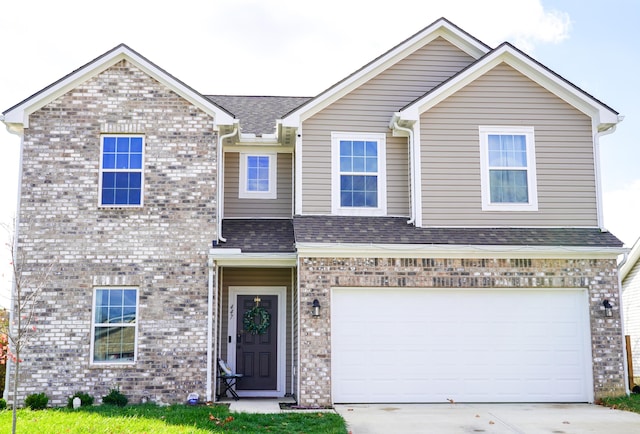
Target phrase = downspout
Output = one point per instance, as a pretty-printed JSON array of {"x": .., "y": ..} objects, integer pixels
[
  {"x": 296, "y": 371},
  {"x": 210, "y": 330},
  {"x": 624, "y": 339},
  {"x": 412, "y": 180},
  {"x": 14, "y": 252},
  {"x": 596, "y": 145},
  {"x": 219, "y": 195}
]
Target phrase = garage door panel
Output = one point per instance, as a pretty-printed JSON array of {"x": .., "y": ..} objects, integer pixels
[{"x": 405, "y": 345}]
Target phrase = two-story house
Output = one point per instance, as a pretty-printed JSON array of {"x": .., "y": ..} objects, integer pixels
[{"x": 428, "y": 228}]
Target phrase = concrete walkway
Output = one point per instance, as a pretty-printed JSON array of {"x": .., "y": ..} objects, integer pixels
[
  {"x": 254, "y": 405},
  {"x": 257, "y": 405},
  {"x": 487, "y": 418}
]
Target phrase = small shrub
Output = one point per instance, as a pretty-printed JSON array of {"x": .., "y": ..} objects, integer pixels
[
  {"x": 37, "y": 401},
  {"x": 115, "y": 397},
  {"x": 3, "y": 404},
  {"x": 86, "y": 400}
]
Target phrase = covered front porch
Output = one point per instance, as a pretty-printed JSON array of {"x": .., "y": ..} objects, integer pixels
[{"x": 254, "y": 286}]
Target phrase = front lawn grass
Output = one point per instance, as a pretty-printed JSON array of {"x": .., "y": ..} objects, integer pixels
[
  {"x": 628, "y": 403},
  {"x": 149, "y": 418}
]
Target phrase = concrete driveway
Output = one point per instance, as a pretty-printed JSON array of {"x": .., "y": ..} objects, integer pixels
[{"x": 487, "y": 418}]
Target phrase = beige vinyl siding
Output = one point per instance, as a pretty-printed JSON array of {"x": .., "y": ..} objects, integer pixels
[
  {"x": 631, "y": 306},
  {"x": 234, "y": 207},
  {"x": 368, "y": 109},
  {"x": 450, "y": 153},
  {"x": 259, "y": 277}
]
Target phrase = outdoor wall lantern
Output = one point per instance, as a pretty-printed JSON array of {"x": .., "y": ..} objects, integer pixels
[
  {"x": 316, "y": 308},
  {"x": 608, "y": 309}
]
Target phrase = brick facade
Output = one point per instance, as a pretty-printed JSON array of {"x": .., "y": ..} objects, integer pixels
[
  {"x": 319, "y": 275},
  {"x": 159, "y": 248},
  {"x": 162, "y": 247}
]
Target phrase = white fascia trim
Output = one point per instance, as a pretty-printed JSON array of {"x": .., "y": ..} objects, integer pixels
[
  {"x": 20, "y": 113},
  {"x": 331, "y": 250},
  {"x": 252, "y": 139},
  {"x": 440, "y": 28},
  {"x": 235, "y": 258},
  {"x": 259, "y": 148},
  {"x": 603, "y": 116}
]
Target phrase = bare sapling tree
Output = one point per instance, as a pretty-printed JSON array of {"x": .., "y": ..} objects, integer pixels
[{"x": 29, "y": 280}]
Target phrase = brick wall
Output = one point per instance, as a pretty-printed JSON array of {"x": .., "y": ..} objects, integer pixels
[
  {"x": 319, "y": 275},
  {"x": 160, "y": 248}
]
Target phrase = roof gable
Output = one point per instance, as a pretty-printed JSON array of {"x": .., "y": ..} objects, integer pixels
[
  {"x": 17, "y": 117},
  {"x": 604, "y": 117},
  {"x": 440, "y": 28}
]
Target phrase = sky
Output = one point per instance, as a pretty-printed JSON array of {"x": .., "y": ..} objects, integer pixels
[{"x": 300, "y": 48}]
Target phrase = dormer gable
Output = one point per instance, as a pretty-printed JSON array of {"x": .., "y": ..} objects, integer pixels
[{"x": 604, "y": 117}]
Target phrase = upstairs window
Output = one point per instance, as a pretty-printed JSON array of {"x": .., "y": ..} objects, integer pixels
[
  {"x": 258, "y": 176},
  {"x": 507, "y": 157},
  {"x": 114, "y": 325},
  {"x": 121, "y": 170},
  {"x": 358, "y": 174}
]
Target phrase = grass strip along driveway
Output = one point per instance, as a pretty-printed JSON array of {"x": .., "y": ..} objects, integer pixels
[{"x": 182, "y": 419}]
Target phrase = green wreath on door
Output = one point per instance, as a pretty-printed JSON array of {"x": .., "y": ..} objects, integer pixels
[{"x": 249, "y": 320}]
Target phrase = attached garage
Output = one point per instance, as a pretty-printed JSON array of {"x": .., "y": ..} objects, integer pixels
[{"x": 467, "y": 345}]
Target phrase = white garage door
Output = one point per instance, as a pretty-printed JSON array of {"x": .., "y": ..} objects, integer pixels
[{"x": 405, "y": 345}]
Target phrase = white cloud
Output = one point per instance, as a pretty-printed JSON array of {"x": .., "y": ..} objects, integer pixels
[
  {"x": 622, "y": 211},
  {"x": 272, "y": 47}
]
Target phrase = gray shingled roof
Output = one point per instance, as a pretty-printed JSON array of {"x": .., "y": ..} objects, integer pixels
[
  {"x": 258, "y": 236},
  {"x": 258, "y": 114},
  {"x": 395, "y": 230},
  {"x": 280, "y": 236}
]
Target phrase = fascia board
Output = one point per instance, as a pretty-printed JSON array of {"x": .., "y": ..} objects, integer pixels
[
  {"x": 19, "y": 114},
  {"x": 454, "y": 251},
  {"x": 440, "y": 28},
  {"x": 601, "y": 114},
  {"x": 631, "y": 261},
  {"x": 235, "y": 258}
]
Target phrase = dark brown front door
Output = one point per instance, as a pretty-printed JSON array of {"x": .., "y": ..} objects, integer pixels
[{"x": 256, "y": 354}]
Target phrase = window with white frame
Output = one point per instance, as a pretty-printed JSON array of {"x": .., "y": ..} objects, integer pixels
[
  {"x": 508, "y": 169},
  {"x": 258, "y": 176},
  {"x": 121, "y": 176},
  {"x": 114, "y": 325},
  {"x": 358, "y": 174}
]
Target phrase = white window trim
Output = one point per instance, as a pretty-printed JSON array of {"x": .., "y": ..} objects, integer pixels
[
  {"x": 243, "y": 193},
  {"x": 487, "y": 205},
  {"x": 141, "y": 170},
  {"x": 336, "y": 209},
  {"x": 93, "y": 328}
]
